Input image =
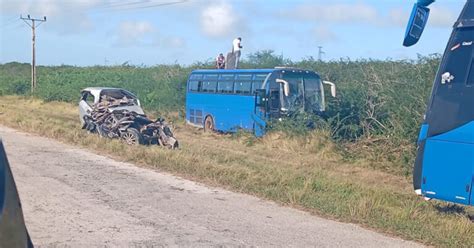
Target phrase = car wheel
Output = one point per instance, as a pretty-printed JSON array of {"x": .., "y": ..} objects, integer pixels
[{"x": 132, "y": 137}]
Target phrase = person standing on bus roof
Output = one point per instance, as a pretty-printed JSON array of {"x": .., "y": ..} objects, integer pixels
[
  {"x": 220, "y": 61},
  {"x": 236, "y": 48}
]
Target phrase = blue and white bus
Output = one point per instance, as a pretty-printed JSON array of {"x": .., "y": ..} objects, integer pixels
[
  {"x": 444, "y": 165},
  {"x": 229, "y": 100}
]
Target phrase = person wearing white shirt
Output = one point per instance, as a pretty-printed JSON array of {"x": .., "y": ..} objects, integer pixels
[{"x": 236, "y": 50}]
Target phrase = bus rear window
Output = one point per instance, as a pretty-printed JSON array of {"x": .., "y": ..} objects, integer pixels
[
  {"x": 242, "y": 87},
  {"x": 193, "y": 86},
  {"x": 209, "y": 86}
]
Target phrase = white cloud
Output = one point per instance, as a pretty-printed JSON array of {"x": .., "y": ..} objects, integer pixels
[
  {"x": 64, "y": 17},
  {"x": 143, "y": 33},
  {"x": 218, "y": 20},
  {"x": 172, "y": 42},
  {"x": 442, "y": 17},
  {"x": 333, "y": 12},
  {"x": 398, "y": 17},
  {"x": 134, "y": 32},
  {"x": 324, "y": 34},
  {"x": 134, "y": 29}
]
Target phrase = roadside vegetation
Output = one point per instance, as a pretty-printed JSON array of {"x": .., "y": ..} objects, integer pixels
[
  {"x": 307, "y": 172},
  {"x": 376, "y": 114},
  {"x": 355, "y": 166}
]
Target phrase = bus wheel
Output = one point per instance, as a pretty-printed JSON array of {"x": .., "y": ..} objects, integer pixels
[{"x": 208, "y": 124}]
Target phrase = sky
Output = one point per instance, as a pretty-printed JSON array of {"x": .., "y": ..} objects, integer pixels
[{"x": 150, "y": 32}]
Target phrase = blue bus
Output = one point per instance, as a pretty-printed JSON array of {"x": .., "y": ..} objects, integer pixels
[
  {"x": 444, "y": 166},
  {"x": 229, "y": 100}
]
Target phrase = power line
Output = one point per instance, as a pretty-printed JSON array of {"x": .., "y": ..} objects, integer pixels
[
  {"x": 142, "y": 4},
  {"x": 10, "y": 21},
  {"x": 119, "y": 4},
  {"x": 33, "y": 23},
  {"x": 157, "y": 5}
]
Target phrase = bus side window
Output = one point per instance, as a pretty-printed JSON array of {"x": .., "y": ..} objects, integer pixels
[
  {"x": 225, "y": 87},
  {"x": 242, "y": 88},
  {"x": 195, "y": 76},
  {"x": 470, "y": 78},
  {"x": 258, "y": 81},
  {"x": 260, "y": 77},
  {"x": 194, "y": 86},
  {"x": 210, "y": 77},
  {"x": 226, "y": 77},
  {"x": 256, "y": 85},
  {"x": 209, "y": 86},
  {"x": 244, "y": 77}
]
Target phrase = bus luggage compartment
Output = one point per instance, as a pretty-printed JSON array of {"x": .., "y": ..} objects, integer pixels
[{"x": 448, "y": 167}]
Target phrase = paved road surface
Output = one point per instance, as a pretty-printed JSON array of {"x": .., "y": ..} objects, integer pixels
[{"x": 72, "y": 197}]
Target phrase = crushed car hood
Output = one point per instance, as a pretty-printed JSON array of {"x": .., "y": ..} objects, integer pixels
[{"x": 133, "y": 108}]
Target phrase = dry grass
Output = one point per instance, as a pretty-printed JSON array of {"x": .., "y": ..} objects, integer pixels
[{"x": 307, "y": 173}]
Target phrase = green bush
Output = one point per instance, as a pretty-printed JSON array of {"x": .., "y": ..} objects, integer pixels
[{"x": 384, "y": 99}]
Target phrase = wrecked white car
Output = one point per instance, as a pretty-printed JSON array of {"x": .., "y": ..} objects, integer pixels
[{"x": 116, "y": 113}]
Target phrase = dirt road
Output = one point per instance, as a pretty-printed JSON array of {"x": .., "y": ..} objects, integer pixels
[{"x": 75, "y": 198}]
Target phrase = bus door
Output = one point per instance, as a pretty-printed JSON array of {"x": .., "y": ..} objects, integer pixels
[
  {"x": 274, "y": 103},
  {"x": 447, "y": 170},
  {"x": 260, "y": 114},
  {"x": 275, "y": 95},
  {"x": 267, "y": 106},
  {"x": 264, "y": 103}
]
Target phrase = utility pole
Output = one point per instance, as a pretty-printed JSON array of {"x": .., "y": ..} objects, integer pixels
[
  {"x": 33, "y": 23},
  {"x": 320, "y": 53}
]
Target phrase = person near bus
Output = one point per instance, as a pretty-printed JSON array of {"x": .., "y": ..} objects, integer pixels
[
  {"x": 236, "y": 50},
  {"x": 220, "y": 61}
]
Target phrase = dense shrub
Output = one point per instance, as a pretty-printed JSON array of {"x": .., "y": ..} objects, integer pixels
[{"x": 375, "y": 98}]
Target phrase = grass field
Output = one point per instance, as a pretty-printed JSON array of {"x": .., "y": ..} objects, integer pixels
[
  {"x": 375, "y": 117},
  {"x": 310, "y": 172}
]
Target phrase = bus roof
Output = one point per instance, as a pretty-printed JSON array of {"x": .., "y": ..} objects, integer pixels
[
  {"x": 204, "y": 71},
  {"x": 235, "y": 71}
]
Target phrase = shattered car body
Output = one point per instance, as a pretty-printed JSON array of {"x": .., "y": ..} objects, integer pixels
[
  {"x": 93, "y": 95},
  {"x": 116, "y": 113}
]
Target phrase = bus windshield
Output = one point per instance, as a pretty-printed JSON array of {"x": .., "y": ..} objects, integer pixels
[{"x": 304, "y": 94}]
